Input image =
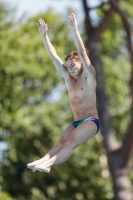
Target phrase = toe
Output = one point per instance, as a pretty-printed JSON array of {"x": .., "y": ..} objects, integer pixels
[
  {"x": 42, "y": 168},
  {"x": 47, "y": 170},
  {"x": 30, "y": 166}
]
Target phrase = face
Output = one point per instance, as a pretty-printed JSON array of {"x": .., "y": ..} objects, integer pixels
[{"x": 74, "y": 67}]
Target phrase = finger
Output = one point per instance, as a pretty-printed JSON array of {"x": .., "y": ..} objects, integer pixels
[
  {"x": 73, "y": 16},
  {"x": 40, "y": 22},
  {"x": 70, "y": 18},
  {"x": 43, "y": 22}
]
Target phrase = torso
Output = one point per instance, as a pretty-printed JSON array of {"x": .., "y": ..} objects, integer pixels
[{"x": 82, "y": 95}]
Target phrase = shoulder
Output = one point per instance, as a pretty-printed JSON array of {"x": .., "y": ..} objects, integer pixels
[
  {"x": 87, "y": 63},
  {"x": 90, "y": 70}
]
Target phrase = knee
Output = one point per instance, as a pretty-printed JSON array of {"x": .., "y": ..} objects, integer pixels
[{"x": 71, "y": 142}]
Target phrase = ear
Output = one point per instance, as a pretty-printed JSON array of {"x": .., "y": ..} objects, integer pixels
[{"x": 82, "y": 66}]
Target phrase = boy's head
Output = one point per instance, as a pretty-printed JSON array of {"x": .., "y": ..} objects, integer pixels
[
  {"x": 73, "y": 55},
  {"x": 74, "y": 65}
]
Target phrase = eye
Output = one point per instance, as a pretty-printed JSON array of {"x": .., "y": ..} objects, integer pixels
[{"x": 72, "y": 64}]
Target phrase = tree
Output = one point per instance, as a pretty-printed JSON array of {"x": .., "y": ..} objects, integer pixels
[{"x": 112, "y": 15}]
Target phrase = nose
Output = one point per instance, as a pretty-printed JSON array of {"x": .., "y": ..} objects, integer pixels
[{"x": 70, "y": 68}]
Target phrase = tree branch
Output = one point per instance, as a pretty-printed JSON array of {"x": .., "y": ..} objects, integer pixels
[
  {"x": 87, "y": 16},
  {"x": 95, "y": 7},
  {"x": 128, "y": 143},
  {"x": 104, "y": 22},
  {"x": 116, "y": 7}
]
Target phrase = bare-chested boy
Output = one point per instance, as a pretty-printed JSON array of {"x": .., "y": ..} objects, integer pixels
[{"x": 80, "y": 79}]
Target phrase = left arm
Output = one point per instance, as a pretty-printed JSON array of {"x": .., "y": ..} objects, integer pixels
[{"x": 80, "y": 47}]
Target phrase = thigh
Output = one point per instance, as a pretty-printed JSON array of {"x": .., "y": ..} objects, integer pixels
[
  {"x": 82, "y": 133},
  {"x": 66, "y": 133}
]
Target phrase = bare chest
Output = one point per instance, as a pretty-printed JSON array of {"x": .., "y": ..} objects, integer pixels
[{"x": 81, "y": 89}]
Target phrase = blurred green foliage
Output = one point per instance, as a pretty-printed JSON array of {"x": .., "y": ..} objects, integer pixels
[
  {"x": 31, "y": 121},
  {"x": 5, "y": 196}
]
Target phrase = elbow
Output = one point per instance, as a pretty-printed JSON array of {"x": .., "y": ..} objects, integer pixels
[{"x": 53, "y": 56}]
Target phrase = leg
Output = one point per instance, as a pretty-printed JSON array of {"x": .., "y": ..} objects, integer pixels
[
  {"x": 80, "y": 135},
  {"x": 56, "y": 148}
]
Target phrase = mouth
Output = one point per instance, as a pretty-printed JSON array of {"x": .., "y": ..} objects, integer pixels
[{"x": 72, "y": 74}]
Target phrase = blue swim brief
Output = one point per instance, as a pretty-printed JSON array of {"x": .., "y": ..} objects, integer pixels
[{"x": 93, "y": 119}]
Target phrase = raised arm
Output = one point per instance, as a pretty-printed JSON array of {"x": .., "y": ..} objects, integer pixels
[
  {"x": 80, "y": 47},
  {"x": 58, "y": 63}
]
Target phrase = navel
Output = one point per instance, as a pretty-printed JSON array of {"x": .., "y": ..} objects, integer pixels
[{"x": 81, "y": 88}]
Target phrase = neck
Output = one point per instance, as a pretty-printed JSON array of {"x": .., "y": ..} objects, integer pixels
[{"x": 80, "y": 72}]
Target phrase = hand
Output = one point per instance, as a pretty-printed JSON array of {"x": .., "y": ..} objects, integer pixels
[
  {"x": 42, "y": 27},
  {"x": 73, "y": 23}
]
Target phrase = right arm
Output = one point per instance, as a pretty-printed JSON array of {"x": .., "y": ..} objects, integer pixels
[
  {"x": 89, "y": 69},
  {"x": 58, "y": 63}
]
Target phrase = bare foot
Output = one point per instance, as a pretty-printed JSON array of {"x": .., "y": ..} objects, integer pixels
[
  {"x": 43, "y": 167},
  {"x": 36, "y": 162}
]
